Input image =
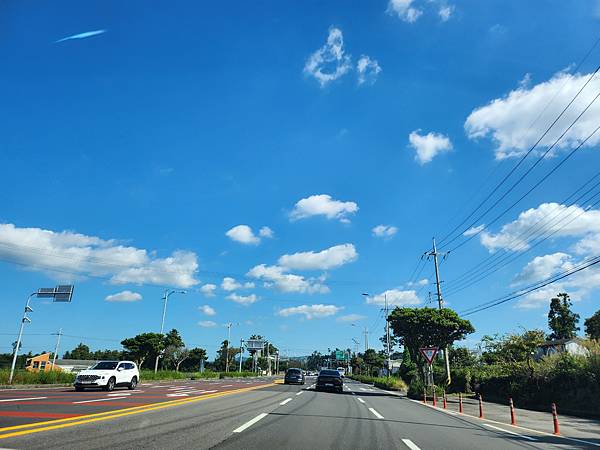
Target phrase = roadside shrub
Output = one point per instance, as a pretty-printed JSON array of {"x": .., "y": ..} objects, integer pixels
[
  {"x": 391, "y": 383},
  {"x": 26, "y": 377},
  {"x": 236, "y": 374},
  {"x": 461, "y": 380},
  {"x": 147, "y": 375}
]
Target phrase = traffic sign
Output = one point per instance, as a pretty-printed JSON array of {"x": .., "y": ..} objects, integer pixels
[
  {"x": 340, "y": 355},
  {"x": 429, "y": 353}
]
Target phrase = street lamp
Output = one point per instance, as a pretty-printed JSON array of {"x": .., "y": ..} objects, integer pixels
[
  {"x": 168, "y": 293},
  {"x": 61, "y": 293}
]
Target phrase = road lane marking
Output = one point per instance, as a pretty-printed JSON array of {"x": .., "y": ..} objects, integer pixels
[
  {"x": 98, "y": 400},
  {"x": 509, "y": 432},
  {"x": 21, "y": 399},
  {"x": 287, "y": 400},
  {"x": 227, "y": 385},
  {"x": 177, "y": 395},
  {"x": 250, "y": 422},
  {"x": 299, "y": 393},
  {"x": 7, "y": 432},
  {"x": 379, "y": 416},
  {"x": 360, "y": 399},
  {"x": 117, "y": 395},
  {"x": 410, "y": 444}
]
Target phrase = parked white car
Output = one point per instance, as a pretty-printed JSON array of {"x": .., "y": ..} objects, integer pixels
[{"x": 108, "y": 375}]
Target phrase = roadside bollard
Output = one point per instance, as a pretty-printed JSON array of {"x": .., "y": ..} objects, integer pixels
[
  {"x": 424, "y": 396},
  {"x": 434, "y": 398},
  {"x": 445, "y": 401},
  {"x": 480, "y": 407},
  {"x": 555, "y": 419},
  {"x": 513, "y": 421},
  {"x": 460, "y": 408}
]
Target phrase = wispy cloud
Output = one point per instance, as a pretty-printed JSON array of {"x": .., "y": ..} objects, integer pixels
[{"x": 85, "y": 35}]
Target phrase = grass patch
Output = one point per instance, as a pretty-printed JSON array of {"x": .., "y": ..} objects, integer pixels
[
  {"x": 26, "y": 377},
  {"x": 391, "y": 383}
]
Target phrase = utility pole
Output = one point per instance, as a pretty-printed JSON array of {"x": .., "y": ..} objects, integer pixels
[
  {"x": 435, "y": 254},
  {"x": 387, "y": 335},
  {"x": 56, "y": 349},
  {"x": 241, "y": 351},
  {"x": 228, "y": 325},
  {"x": 366, "y": 333},
  {"x": 268, "y": 361}
]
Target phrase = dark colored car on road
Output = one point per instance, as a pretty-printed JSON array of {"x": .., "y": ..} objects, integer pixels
[
  {"x": 294, "y": 376},
  {"x": 330, "y": 380}
]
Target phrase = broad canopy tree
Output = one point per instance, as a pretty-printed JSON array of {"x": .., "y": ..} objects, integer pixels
[
  {"x": 427, "y": 327},
  {"x": 592, "y": 326}
]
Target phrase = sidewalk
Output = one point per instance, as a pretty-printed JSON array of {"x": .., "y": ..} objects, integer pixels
[{"x": 570, "y": 426}]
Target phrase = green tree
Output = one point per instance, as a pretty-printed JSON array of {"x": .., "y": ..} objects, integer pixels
[
  {"x": 592, "y": 326},
  {"x": 561, "y": 320},
  {"x": 143, "y": 346},
  {"x": 192, "y": 362},
  {"x": 426, "y": 327},
  {"x": 315, "y": 361},
  {"x": 461, "y": 357},
  {"x": 82, "y": 351},
  {"x": 222, "y": 356},
  {"x": 373, "y": 360}
]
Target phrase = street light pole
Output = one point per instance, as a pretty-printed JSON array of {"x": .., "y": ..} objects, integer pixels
[
  {"x": 228, "y": 325},
  {"x": 241, "y": 351},
  {"x": 166, "y": 296},
  {"x": 56, "y": 349},
  {"x": 24, "y": 320}
]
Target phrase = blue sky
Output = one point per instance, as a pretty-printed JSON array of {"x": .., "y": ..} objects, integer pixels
[{"x": 132, "y": 152}]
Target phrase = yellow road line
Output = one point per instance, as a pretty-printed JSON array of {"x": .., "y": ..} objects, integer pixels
[{"x": 89, "y": 418}]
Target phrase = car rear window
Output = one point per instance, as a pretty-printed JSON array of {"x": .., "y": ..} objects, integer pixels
[
  {"x": 293, "y": 372},
  {"x": 330, "y": 373}
]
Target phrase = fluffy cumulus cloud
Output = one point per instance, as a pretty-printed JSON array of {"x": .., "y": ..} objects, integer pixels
[
  {"x": 542, "y": 267},
  {"x": 419, "y": 283},
  {"x": 208, "y": 310},
  {"x": 208, "y": 289},
  {"x": 395, "y": 297},
  {"x": 124, "y": 296},
  {"x": 330, "y": 62},
  {"x": 266, "y": 232},
  {"x": 405, "y": 10},
  {"x": 242, "y": 234},
  {"x": 512, "y": 121},
  {"x": 367, "y": 70},
  {"x": 548, "y": 218},
  {"x": 445, "y": 12},
  {"x": 279, "y": 278},
  {"x": 230, "y": 284},
  {"x": 384, "y": 231},
  {"x": 350, "y": 318},
  {"x": 207, "y": 324},
  {"x": 242, "y": 299},
  {"x": 67, "y": 252},
  {"x": 310, "y": 311},
  {"x": 323, "y": 205},
  {"x": 428, "y": 146},
  {"x": 330, "y": 258}
]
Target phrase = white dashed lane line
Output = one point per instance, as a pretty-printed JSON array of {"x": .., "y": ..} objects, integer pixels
[
  {"x": 287, "y": 400},
  {"x": 250, "y": 423},
  {"x": 98, "y": 400},
  {"x": 375, "y": 413},
  {"x": 410, "y": 444},
  {"x": 360, "y": 399},
  {"x": 21, "y": 399},
  {"x": 299, "y": 393}
]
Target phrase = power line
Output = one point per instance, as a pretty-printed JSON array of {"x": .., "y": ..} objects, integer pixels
[{"x": 521, "y": 160}]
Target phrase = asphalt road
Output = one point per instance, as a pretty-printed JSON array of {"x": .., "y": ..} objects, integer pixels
[{"x": 279, "y": 416}]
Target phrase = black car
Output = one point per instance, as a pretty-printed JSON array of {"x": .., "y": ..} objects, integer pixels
[
  {"x": 294, "y": 376},
  {"x": 330, "y": 380}
]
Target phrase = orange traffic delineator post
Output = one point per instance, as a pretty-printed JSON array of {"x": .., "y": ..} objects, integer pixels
[
  {"x": 434, "y": 397},
  {"x": 480, "y": 407},
  {"x": 445, "y": 401},
  {"x": 555, "y": 419},
  {"x": 460, "y": 406},
  {"x": 513, "y": 420}
]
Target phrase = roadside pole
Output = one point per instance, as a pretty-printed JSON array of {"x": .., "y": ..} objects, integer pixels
[
  {"x": 387, "y": 334},
  {"x": 56, "y": 349},
  {"x": 229, "y": 325},
  {"x": 268, "y": 361},
  {"x": 241, "y": 352},
  {"x": 434, "y": 253}
]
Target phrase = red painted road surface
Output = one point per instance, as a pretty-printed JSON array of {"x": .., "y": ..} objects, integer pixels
[{"x": 35, "y": 405}]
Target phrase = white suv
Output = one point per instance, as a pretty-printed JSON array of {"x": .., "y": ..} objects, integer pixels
[{"x": 108, "y": 375}]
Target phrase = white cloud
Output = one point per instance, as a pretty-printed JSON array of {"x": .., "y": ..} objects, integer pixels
[
  {"x": 277, "y": 277},
  {"x": 508, "y": 120},
  {"x": 242, "y": 299},
  {"x": 330, "y": 258},
  {"x": 57, "y": 253},
  {"x": 230, "y": 284},
  {"x": 330, "y": 62},
  {"x": 266, "y": 232},
  {"x": 208, "y": 290},
  {"x": 428, "y": 146},
  {"x": 542, "y": 267},
  {"x": 445, "y": 12},
  {"x": 404, "y": 10},
  {"x": 384, "y": 231},
  {"x": 547, "y": 218},
  {"x": 208, "y": 310},
  {"x": 124, "y": 296},
  {"x": 207, "y": 324},
  {"x": 395, "y": 297},
  {"x": 310, "y": 311},
  {"x": 421, "y": 282},
  {"x": 84, "y": 35},
  {"x": 368, "y": 69},
  {"x": 350, "y": 318},
  {"x": 243, "y": 234},
  {"x": 323, "y": 205}
]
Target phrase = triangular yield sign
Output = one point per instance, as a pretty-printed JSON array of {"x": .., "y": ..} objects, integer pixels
[{"x": 429, "y": 353}]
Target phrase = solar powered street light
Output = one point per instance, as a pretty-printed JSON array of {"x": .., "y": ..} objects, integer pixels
[{"x": 61, "y": 293}]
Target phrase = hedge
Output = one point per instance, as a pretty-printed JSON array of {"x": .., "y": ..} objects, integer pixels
[{"x": 391, "y": 383}]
